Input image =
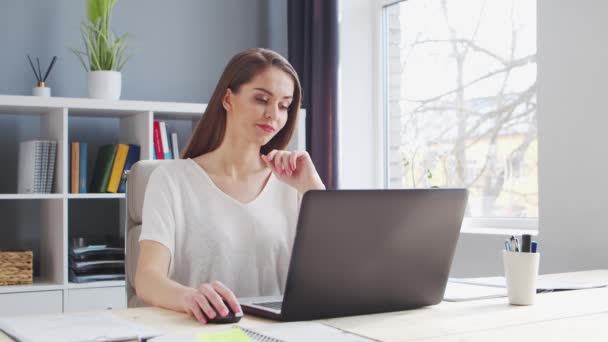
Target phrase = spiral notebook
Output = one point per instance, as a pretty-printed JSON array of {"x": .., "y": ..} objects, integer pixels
[
  {"x": 256, "y": 336},
  {"x": 301, "y": 331},
  {"x": 236, "y": 334},
  {"x": 279, "y": 332}
]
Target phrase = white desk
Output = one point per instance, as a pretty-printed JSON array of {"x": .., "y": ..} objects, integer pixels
[{"x": 580, "y": 315}]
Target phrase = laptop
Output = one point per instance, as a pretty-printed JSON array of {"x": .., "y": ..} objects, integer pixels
[{"x": 367, "y": 251}]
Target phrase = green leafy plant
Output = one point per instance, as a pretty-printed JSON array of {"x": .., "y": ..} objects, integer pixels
[{"x": 102, "y": 49}]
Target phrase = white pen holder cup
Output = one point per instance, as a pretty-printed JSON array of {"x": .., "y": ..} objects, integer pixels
[{"x": 521, "y": 273}]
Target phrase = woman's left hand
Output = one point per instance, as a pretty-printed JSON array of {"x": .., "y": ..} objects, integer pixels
[{"x": 295, "y": 169}]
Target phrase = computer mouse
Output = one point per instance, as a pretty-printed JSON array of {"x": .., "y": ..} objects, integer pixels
[{"x": 231, "y": 317}]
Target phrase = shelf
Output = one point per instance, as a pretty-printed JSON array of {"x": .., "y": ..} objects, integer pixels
[
  {"x": 47, "y": 223},
  {"x": 95, "y": 107},
  {"x": 38, "y": 285},
  {"x": 95, "y": 196},
  {"x": 96, "y": 284},
  {"x": 30, "y": 196}
]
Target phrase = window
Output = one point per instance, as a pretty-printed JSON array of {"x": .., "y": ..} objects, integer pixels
[{"x": 460, "y": 103}]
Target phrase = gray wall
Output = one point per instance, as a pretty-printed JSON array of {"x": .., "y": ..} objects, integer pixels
[
  {"x": 572, "y": 74},
  {"x": 179, "y": 50},
  {"x": 179, "y": 47}
]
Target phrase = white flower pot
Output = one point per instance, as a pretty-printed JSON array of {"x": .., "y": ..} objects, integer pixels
[{"x": 104, "y": 84}]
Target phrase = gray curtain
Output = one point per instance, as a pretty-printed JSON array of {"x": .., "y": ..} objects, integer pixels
[{"x": 313, "y": 51}]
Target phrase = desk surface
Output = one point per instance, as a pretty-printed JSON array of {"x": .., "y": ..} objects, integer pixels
[{"x": 557, "y": 316}]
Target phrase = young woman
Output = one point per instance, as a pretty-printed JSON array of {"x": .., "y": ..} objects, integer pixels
[{"x": 220, "y": 223}]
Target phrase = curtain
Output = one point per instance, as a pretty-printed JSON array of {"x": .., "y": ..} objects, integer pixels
[{"x": 313, "y": 51}]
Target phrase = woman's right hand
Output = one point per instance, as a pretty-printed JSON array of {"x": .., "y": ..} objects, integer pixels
[{"x": 206, "y": 301}]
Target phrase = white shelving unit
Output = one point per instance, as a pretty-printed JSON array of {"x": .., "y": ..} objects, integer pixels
[
  {"x": 44, "y": 220},
  {"x": 46, "y": 223}
]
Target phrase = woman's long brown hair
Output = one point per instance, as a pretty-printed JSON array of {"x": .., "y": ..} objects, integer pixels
[{"x": 242, "y": 68}]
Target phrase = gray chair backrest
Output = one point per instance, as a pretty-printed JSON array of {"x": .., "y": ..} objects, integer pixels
[{"x": 137, "y": 180}]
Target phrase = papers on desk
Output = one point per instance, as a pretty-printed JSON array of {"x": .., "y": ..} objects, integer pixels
[
  {"x": 86, "y": 327},
  {"x": 278, "y": 332},
  {"x": 545, "y": 282},
  {"x": 457, "y": 292},
  {"x": 459, "y": 289}
]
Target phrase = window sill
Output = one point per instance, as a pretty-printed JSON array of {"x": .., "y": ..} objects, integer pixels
[{"x": 498, "y": 231}]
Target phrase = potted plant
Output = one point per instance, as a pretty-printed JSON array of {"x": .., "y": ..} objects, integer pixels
[{"x": 102, "y": 50}]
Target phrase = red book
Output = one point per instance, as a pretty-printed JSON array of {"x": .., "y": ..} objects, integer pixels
[{"x": 158, "y": 144}]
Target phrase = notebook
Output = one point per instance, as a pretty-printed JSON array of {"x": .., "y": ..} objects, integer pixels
[
  {"x": 84, "y": 327},
  {"x": 280, "y": 332}
]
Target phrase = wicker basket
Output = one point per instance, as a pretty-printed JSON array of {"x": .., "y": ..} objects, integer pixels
[{"x": 16, "y": 267}]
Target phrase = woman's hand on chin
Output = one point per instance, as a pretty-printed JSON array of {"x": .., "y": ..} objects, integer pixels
[{"x": 295, "y": 169}]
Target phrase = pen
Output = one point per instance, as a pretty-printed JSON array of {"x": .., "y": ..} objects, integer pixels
[
  {"x": 534, "y": 246},
  {"x": 526, "y": 239},
  {"x": 517, "y": 249}
]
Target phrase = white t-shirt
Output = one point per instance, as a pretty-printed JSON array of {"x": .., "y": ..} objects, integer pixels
[{"x": 212, "y": 236}]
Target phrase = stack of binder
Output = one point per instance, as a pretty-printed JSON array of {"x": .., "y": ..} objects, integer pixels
[
  {"x": 36, "y": 166},
  {"x": 96, "y": 263}
]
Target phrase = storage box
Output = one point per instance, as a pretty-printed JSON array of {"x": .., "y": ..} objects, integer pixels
[{"x": 16, "y": 267}]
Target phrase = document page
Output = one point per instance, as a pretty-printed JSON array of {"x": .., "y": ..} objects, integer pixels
[{"x": 81, "y": 327}]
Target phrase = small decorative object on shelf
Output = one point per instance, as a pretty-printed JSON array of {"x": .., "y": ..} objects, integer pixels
[
  {"x": 41, "y": 89},
  {"x": 16, "y": 267},
  {"x": 103, "y": 51}
]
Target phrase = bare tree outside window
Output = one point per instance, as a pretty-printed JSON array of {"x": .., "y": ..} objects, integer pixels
[{"x": 461, "y": 99}]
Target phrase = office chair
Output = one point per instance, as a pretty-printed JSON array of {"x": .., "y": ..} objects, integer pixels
[{"x": 137, "y": 180}]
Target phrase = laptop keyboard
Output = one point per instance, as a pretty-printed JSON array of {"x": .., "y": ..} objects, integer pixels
[{"x": 271, "y": 305}]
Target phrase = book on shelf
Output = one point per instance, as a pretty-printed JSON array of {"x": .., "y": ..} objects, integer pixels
[
  {"x": 82, "y": 168},
  {"x": 50, "y": 175},
  {"x": 36, "y": 166},
  {"x": 165, "y": 140},
  {"x": 45, "y": 164},
  {"x": 117, "y": 168},
  {"x": 74, "y": 166},
  {"x": 157, "y": 140},
  {"x": 132, "y": 158},
  {"x": 174, "y": 146},
  {"x": 103, "y": 168}
]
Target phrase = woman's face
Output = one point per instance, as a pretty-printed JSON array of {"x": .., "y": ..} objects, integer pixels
[{"x": 258, "y": 111}]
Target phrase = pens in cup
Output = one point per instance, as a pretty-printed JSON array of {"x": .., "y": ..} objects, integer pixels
[{"x": 527, "y": 245}]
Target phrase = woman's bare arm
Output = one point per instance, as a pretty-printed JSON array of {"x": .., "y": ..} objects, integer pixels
[{"x": 153, "y": 285}]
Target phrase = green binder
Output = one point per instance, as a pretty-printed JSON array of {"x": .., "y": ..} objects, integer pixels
[{"x": 103, "y": 167}]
